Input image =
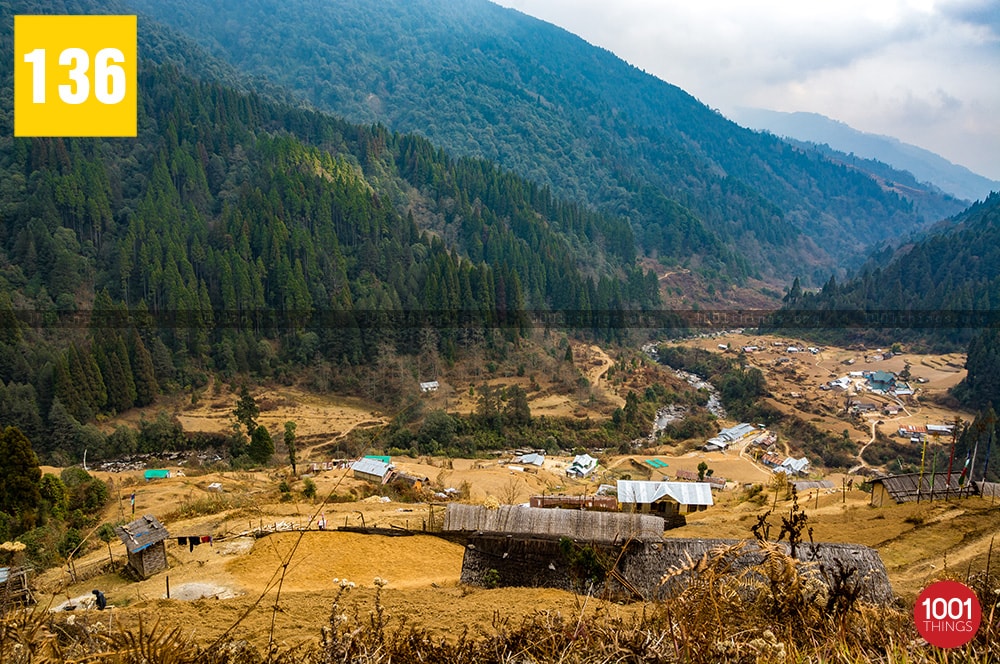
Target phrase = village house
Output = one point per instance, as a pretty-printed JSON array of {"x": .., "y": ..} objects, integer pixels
[
  {"x": 727, "y": 437},
  {"x": 914, "y": 486},
  {"x": 532, "y": 459},
  {"x": 372, "y": 470},
  {"x": 583, "y": 465},
  {"x": 771, "y": 460},
  {"x": 666, "y": 499},
  {"x": 415, "y": 481},
  {"x": 791, "y": 466},
  {"x": 144, "y": 542},
  {"x": 841, "y": 384},
  {"x": 912, "y": 431},
  {"x": 881, "y": 381},
  {"x": 429, "y": 386}
]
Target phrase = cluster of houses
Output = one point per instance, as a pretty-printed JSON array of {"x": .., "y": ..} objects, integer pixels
[
  {"x": 879, "y": 382},
  {"x": 781, "y": 346},
  {"x": 731, "y": 436},
  {"x": 763, "y": 445},
  {"x": 917, "y": 433},
  {"x": 785, "y": 464}
]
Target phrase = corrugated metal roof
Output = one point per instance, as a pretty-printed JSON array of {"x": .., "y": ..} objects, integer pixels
[
  {"x": 794, "y": 465},
  {"x": 736, "y": 432},
  {"x": 371, "y": 467},
  {"x": 807, "y": 485},
  {"x": 532, "y": 459},
  {"x": 583, "y": 464},
  {"x": 685, "y": 493},
  {"x": 142, "y": 533}
]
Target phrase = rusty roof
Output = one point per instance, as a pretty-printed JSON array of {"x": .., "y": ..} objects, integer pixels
[{"x": 142, "y": 533}]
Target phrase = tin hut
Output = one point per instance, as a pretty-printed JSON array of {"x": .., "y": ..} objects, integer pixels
[{"x": 144, "y": 541}]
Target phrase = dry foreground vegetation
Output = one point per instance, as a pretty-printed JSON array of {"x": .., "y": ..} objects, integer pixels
[{"x": 303, "y": 594}]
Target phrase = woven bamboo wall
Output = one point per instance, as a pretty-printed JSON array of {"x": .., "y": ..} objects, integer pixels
[{"x": 576, "y": 524}]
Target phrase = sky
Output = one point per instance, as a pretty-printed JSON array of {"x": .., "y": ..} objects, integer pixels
[{"x": 924, "y": 71}]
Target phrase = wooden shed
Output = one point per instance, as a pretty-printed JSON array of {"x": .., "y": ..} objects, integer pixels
[
  {"x": 912, "y": 486},
  {"x": 14, "y": 588},
  {"x": 144, "y": 541}
]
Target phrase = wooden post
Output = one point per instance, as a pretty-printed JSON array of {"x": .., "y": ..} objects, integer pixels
[{"x": 168, "y": 586}]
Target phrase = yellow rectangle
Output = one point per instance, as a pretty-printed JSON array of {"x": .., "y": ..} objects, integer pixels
[{"x": 75, "y": 76}]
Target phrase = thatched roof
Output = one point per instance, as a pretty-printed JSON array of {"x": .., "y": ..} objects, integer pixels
[
  {"x": 574, "y": 523},
  {"x": 863, "y": 565},
  {"x": 142, "y": 533}
]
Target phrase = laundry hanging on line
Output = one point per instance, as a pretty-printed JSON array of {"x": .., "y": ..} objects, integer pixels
[{"x": 194, "y": 540}]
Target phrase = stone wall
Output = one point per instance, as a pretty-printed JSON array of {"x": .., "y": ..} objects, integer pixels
[{"x": 507, "y": 560}]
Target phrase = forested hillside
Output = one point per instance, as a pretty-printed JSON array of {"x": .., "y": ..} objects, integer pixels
[
  {"x": 927, "y": 197},
  {"x": 482, "y": 80},
  {"x": 935, "y": 293},
  {"x": 237, "y": 235}
]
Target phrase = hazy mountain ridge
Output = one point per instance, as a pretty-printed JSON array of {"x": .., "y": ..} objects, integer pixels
[
  {"x": 925, "y": 165},
  {"x": 480, "y": 79}
]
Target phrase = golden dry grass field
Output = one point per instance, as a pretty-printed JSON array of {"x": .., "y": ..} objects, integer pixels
[{"x": 285, "y": 584}]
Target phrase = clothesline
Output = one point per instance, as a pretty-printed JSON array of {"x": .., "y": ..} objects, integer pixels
[{"x": 192, "y": 541}]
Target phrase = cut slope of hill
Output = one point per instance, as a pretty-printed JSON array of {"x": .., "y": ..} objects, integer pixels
[{"x": 487, "y": 81}]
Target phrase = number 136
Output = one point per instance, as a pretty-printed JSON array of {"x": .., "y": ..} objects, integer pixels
[{"x": 109, "y": 77}]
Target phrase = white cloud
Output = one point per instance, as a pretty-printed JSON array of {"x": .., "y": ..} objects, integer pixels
[{"x": 925, "y": 71}]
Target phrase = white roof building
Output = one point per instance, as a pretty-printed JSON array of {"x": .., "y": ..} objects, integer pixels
[
  {"x": 665, "y": 497},
  {"x": 582, "y": 465},
  {"x": 531, "y": 459},
  {"x": 371, "y": 469},
  {"x": 793, "y": 466}
]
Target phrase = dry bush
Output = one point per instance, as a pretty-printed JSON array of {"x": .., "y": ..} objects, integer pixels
[
  {"x": 206, "y": 505},
  {"x": 720, "y": 609}
]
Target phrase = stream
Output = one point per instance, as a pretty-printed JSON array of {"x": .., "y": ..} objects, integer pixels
[{"x": 668, "y": 414}]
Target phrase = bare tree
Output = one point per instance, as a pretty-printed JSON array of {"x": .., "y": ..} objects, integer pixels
[{"x": 510, "y": 493}]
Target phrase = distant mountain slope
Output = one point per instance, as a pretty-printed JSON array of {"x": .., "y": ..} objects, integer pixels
[
  {"x": 934, "y": 290},
  {"x": 927, "y": 198},
  {"x": 483, "y": 80},
  {"x": 925, "y": 165}
]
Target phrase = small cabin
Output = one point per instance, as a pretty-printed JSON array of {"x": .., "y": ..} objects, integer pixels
[{"x": 144, "y": 541}]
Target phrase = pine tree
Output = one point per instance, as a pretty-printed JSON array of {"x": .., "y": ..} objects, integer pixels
[
  {"x": 247, "y": 411},
  {"x": 19, "y": 477},
  {"x": 146, "y": 387},
  {"x": 261, "y": 446}
]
